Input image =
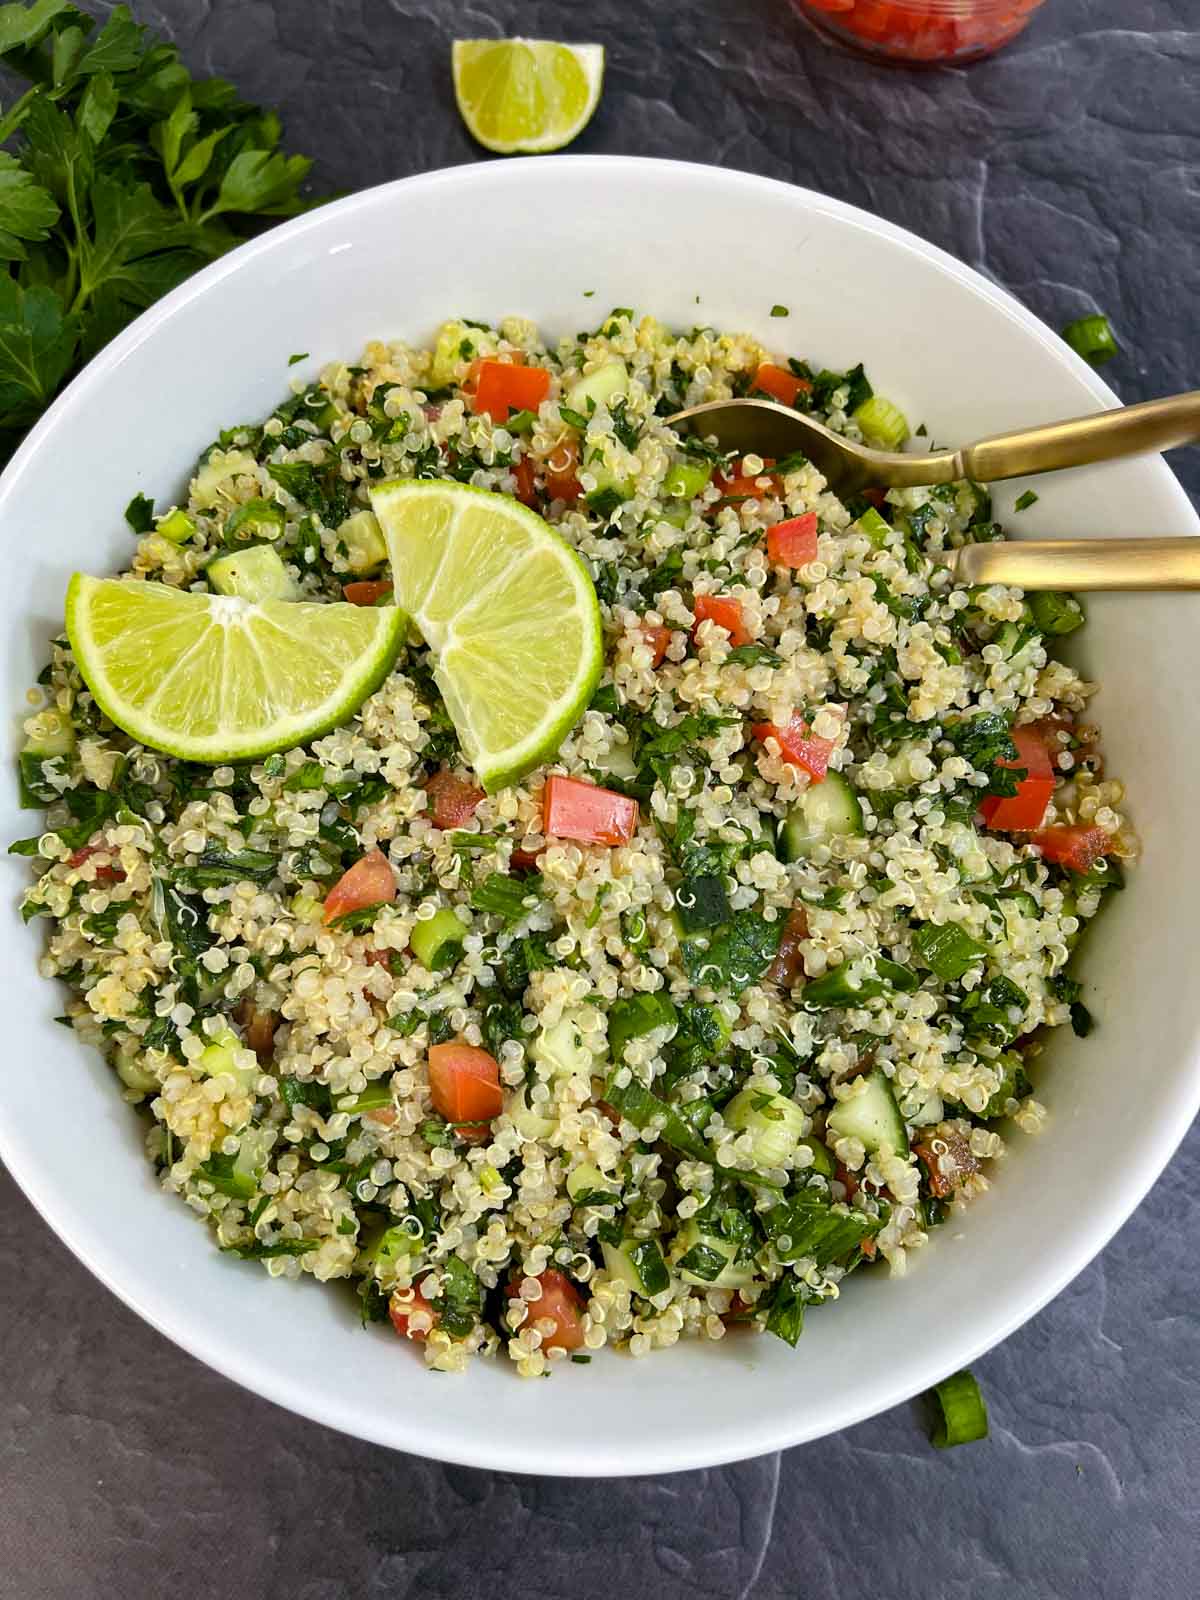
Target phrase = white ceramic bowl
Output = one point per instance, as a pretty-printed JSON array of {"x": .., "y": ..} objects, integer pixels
[{"x": 692, "y": 244}]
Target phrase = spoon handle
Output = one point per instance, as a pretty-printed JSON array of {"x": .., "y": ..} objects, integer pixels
[
  {"x": 1123, "y": 431},
  {"x": 1080, "y": 563}
]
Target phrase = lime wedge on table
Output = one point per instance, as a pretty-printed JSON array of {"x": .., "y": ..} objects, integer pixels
[
  {"x": 509, "y": 612},
  {"x": 526, "y": 95},
  {"x": 213, "y": 678}
]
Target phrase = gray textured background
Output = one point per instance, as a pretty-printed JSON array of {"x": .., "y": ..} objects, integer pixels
[{"x": 1067, "y": 169}]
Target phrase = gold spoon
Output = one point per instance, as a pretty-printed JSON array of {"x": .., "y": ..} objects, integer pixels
[
  {"x": 1077, "y": 563},
  {"x": 767, "y": 428}
]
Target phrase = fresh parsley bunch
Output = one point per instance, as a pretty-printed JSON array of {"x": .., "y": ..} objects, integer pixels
[{"x": 125, "y": 175}]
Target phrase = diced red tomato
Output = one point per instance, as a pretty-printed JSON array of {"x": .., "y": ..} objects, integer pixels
[
  {"x": 1076, "y": 847},
  {"x": 106, "y": 872},
  {"x": 848, "y": 1178},
  {"x": 368, "y": 591},
  {"x": 523, "y": 473},
  {"x": 562, "y": 482},
  {"x": 949, "y": 1168},
  {"x": 793, "y": 543},
  {"x": 1023, "y": 811},
  {"x": 259, "y": 1027},
  {"x": 788, "y": 964},
  {"x": 658, "y": 639},
  {"x": 797, "y": 746},
  {"x": 726, "y": 612},
  {"x": 452, "y": 801},
  {"x": 403, "y": 1305},
  {"x": 572, "y": 809},
  {"x": 562, "y": 1304},
  {"x": 875, "y": 497},
  {"x": 378, "y": 958},
  {"x": 780, "y": 383},
  {"x": 523, "y": 860},
  {"x": 369, "y": 882},
  {"x": 464, "y": 1083},
  {"x": 739, "y": 485},
  {"x": 503, "y": 387}
]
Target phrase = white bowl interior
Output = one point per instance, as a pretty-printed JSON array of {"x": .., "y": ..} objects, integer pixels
[{"x": 692, "y": 245}]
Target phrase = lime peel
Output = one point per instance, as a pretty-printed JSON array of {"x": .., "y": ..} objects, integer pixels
[
  {"x": 214, "y": 678},
  {"x": 526, "y": 96},
  {"x": 509, "y": 612}
]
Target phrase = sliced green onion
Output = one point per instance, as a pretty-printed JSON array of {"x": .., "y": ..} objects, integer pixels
[
  {"x": 876, "y": 527},
  {"x": 1092, "y": 338},
  {"x": 255, "y": 516},
  {"x": 686, "y": 479},
  {"x": 962, "y": 1412},
  {"x": 1024, "y": 501},
  {"x": 176, "y": 526},
  {"x": 883, "y": 425},
  {"x": 1056, "y": 613},
  {"x": 630, "y": 1018},
  {"x": 438, "y": 942},
  {"x": 947, "y": 950}
]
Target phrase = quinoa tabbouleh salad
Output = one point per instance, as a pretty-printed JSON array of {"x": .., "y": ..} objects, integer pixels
[{"x": 731, "y": 992}]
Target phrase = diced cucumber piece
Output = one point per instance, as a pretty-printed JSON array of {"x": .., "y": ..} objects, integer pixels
[
  {"x": 132, "y": 1073},
  {"x": 455, "y": 347},
  {"x": 601, "y": 387},
  {"x": 205, "y": 489},
  {"x": 618, "y": 762},
  {"x": 706, "y": 1261},
  {"x": 176, "y": 526},
  {"x": 1014, "y": 637},
  {"x": 639, "y": 1263},
  {"x": 676, "y": 516},
  {"x": 562, "y": 1050},
  {"x": 256, "y": 573},
  {"x": 876, "y": 528},
  {"x": 254, "y": 1151},
  {"x": 50, "y": 734},
  {"x": 438, "y": 942},
  {"x": 870, "y": 1114},
  {"x": 686, "y": 479},
  {"x": 823, "y": 1159},
  {"x": 220, "y": 1058},
  {"x": 363, "y": 538},
  {"x": 775, "y": 1124},
  {"x": 883, "y": 424},
  {"x": 587, "y": 1185},
  {"x": 306, "y": 908},
  {"x": 825, "y": 811},
  {"x": 530, "y": 1124}
]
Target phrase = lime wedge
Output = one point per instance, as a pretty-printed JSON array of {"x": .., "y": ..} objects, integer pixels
[
  {"x": 213, "y": 678},
  {"x": 526, "y": 95},
  {"x": 509, "y": 612}
]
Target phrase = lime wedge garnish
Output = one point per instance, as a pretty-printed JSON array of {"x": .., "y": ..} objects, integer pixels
[
  {"x": 526, "y": 95},
  {"x": 213, "y": 678},
  {"x": 509, "y": 612}
]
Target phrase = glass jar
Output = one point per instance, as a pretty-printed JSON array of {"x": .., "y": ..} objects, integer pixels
[{"x": 921, "y": 30}]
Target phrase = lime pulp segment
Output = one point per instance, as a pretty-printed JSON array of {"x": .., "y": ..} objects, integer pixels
[
  {"x": 526, "y": 95},
  {"x": 214, "y": 678},
  {"x": 508, "y": 610}
]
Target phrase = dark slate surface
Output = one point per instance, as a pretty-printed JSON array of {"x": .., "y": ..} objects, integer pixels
[{"x": 1066, "y": 169}]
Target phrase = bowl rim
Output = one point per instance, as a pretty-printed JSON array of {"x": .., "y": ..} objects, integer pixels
[{"x": 774, "y": 1430}]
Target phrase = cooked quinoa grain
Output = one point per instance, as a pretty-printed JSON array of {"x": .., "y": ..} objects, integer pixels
[{"x": 546, "y": 1095}]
